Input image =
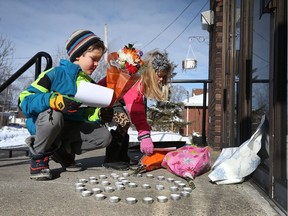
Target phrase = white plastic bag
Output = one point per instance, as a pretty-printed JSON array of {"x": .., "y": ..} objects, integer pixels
[{"x": 233, "y": 164}]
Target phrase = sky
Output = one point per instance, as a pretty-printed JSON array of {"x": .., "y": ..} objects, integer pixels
[{"x": 35, "y": 25}]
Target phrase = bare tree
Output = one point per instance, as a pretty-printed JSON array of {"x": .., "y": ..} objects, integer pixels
[
  {"x": 60, "y": 54},
  {"x": 178, "y": 93},
  {"x": 9, "y": 97},
  {"x": 6, "y": 56}
]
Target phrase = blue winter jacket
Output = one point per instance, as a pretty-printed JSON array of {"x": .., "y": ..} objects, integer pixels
[{"x": 63, "y": 79}]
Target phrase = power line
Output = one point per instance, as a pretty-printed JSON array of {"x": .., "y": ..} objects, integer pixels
[
  {"x": 19, "y": 58},
  {"x": 188, "y": 25},
  {"x": 260, "y": 36},
  {"x": 260, "y": 57},
  {"x": 169, "y": 24}
]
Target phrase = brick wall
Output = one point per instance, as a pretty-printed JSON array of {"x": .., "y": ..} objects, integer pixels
[{"x": 215, "y": 74}]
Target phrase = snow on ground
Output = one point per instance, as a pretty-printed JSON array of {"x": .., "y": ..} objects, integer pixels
[{"x": 11, "y": 137}]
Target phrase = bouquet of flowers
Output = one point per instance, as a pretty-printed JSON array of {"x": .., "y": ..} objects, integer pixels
[{"x": 122, "y": 70}]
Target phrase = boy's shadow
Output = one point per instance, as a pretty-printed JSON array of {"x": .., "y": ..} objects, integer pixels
[
  {"x": 90, "y": 162},
  {"x": 97, "y": 161}
]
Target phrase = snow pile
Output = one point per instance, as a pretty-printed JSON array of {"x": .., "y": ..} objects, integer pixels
[{"x": 11, "y": 137}]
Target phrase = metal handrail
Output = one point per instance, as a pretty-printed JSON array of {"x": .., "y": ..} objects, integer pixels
[{"x": 36, "y": 59}]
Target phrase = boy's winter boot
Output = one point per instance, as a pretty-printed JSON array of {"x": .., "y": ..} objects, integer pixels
[
  {"x": 112, "y": 156},
  {"x": 39, "y": 168},
  {"x": 66, "y": 160},
  {"x": 39, "y": 163}
]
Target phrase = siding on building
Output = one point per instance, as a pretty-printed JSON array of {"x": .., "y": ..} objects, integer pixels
[{"x": 193, "y": 113}]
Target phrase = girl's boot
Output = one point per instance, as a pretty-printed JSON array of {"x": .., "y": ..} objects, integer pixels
[{"x": 113, "y": 152}]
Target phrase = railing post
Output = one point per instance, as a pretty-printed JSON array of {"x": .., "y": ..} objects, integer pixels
[
  {"x": 204, "y": 115},
  {"x": 38, "y": 62},
  {"x": 26, "y": 66},
  {"x": 37, "y": 67}
]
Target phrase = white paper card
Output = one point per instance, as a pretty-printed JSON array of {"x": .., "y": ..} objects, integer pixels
[{"x": 94, "y": 95}]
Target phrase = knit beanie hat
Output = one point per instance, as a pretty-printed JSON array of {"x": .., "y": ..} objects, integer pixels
[{"x": 79, "y": 42}]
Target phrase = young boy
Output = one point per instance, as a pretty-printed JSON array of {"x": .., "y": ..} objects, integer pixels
[{"x": 59, "y": 127}]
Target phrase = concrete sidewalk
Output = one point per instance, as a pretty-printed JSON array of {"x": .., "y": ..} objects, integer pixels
[{"x": 22, "y": 196}]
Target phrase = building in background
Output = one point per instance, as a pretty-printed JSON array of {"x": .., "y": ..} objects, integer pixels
[{"x": 193, "y": 113}]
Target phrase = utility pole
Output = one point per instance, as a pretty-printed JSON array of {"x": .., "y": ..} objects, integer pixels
[{"x": 106, "y": 42}]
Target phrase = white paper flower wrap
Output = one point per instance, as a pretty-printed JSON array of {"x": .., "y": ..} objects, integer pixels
[{"x": 233, "y": 164}]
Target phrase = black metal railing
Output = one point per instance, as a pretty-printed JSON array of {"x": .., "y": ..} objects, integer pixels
[
  {"x": 205, "y": 83},
  {"x": 37, "y": 60}
]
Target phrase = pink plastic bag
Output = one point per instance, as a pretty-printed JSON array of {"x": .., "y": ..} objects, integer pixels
[{"x": 188, "y": 161}]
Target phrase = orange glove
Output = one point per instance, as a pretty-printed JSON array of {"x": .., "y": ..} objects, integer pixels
[{"x": 64, "y": 103}]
